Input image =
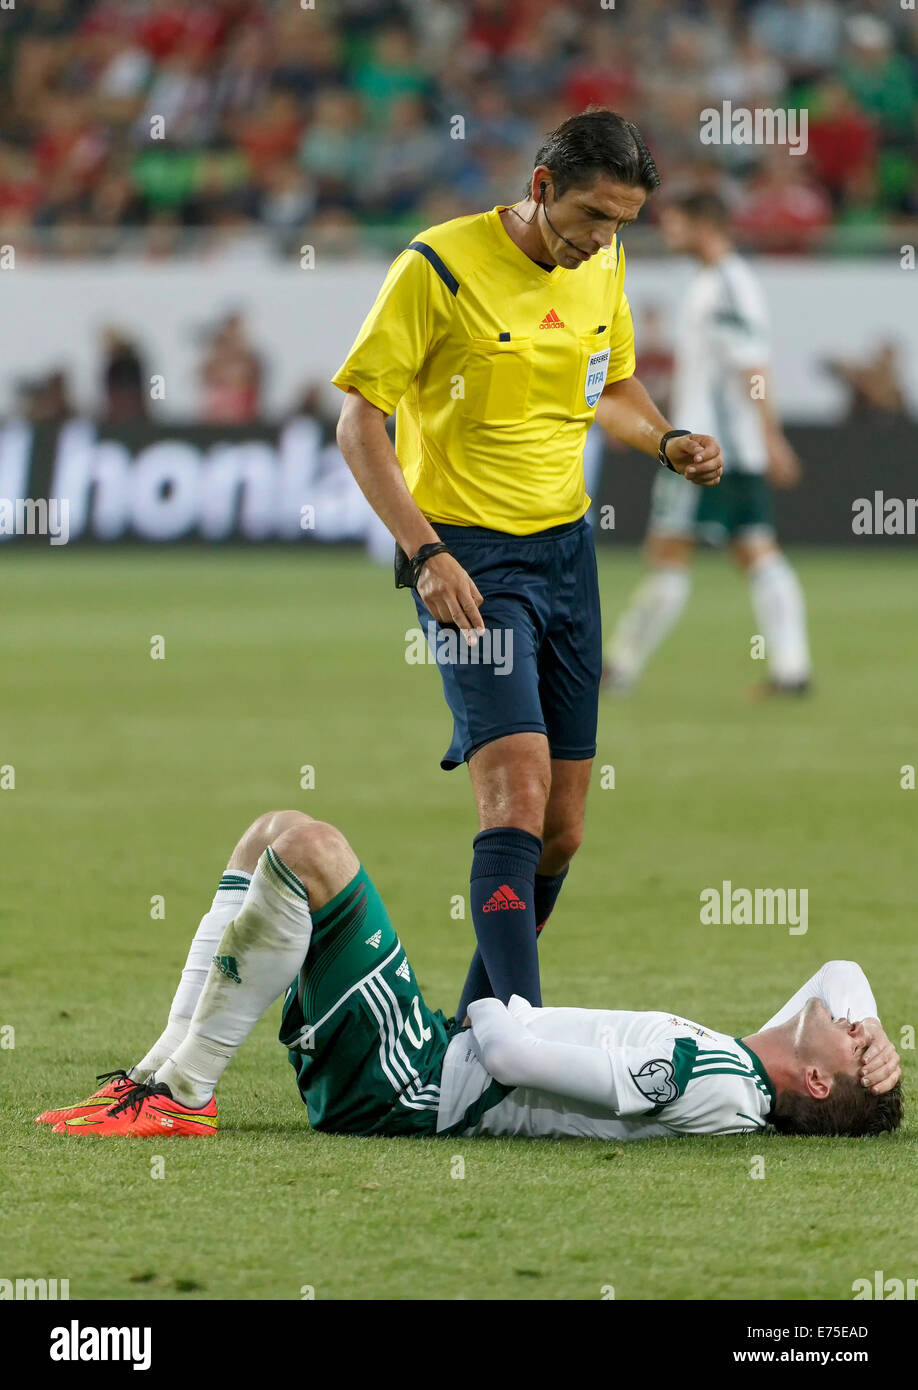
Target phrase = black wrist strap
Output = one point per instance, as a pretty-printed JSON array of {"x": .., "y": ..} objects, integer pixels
[
  {"x": 408, "y": 572},
  {"x": 661, "y": 455}
]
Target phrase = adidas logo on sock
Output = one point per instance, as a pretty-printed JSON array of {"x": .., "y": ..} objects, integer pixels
[
  {"x": 551, "y": 320},
  {"x": 228, "y": 967},
  {"x": 374, "y": 940},
  {"x": 404, "y": 971},
  {"x": 503, "y": 900}
]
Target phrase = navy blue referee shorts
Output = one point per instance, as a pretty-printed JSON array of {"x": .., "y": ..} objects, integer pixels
[{"x": 539, "y": 663}]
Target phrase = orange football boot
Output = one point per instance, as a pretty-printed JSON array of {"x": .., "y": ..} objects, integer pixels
[
  {"x": 118, "y": 1084},
  {"x": 146, "y": 1112}
]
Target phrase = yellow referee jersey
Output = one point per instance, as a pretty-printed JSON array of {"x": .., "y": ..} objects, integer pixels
[{"x": 494, "y": 366}]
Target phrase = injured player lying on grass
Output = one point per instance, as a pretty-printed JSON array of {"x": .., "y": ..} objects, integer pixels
[{"x": 371, "y": 1058}]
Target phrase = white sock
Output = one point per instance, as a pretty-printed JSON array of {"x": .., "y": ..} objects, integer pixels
[
  {"x": 227, "y": 902},
  {"x": 655, "y": 607},
  {"x": 259, "y": 954},
  {"x": 780, "y": 611}
]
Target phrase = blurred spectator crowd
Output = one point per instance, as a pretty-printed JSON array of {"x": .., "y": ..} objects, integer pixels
[{"x": 248, "y": 128}]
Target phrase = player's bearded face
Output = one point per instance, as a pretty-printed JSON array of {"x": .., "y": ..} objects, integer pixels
[{"x": 587, "y": 217}]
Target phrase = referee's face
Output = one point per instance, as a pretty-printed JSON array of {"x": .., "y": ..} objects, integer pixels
[{"x": 588, "y": 218}]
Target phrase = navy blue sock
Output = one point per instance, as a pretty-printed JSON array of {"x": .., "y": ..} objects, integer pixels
[
  {"x": 546, "y": 895},
  {"x": 502, "y": 895},
  {"x": 477, "y": 985}
]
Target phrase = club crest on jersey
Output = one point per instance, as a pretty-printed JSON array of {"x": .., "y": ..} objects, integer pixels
[
  {"x": 596, "y": 370},
  {"x": 655, "y": 1081}
]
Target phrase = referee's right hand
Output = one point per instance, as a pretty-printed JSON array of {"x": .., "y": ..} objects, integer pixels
[{"x": 451, "y": 596}]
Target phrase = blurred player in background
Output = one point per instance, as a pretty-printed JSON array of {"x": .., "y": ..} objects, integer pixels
[
  {"x": 493, "y": 335},
  {"x": 721, "y": 379},
  {"x": 654, "y": 370}
]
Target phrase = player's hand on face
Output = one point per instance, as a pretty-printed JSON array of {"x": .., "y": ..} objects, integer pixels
[
  {"x": 697, "y": 457},
  {"x": 880, "y": 1068},
  {"x": 451, "y": 596}
]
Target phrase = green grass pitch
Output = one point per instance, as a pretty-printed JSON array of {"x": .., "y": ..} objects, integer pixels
[{"x": 134, "y": 777}]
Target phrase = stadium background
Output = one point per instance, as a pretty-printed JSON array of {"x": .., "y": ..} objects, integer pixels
[
  {"x": 202, "y": 199},
  {"x": 183, "y": 260}
]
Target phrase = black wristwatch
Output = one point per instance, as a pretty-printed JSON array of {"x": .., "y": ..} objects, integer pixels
[
  {"x": 670, "y": 434},
  {"x": 408, "y": 572}
]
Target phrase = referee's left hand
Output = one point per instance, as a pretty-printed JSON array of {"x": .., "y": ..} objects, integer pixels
[{"x": 697, "y": 457}]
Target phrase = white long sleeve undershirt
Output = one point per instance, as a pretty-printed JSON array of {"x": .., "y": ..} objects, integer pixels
[
  {"x": 843, "y": 988},
  {"x": 514, "y": 1056}
]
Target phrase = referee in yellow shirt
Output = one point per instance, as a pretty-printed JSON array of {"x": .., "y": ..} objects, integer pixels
[{"x": 492, "y": 338}]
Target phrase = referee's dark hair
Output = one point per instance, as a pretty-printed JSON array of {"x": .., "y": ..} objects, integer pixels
[
  {"x": 703, "y": 206},
  {"x": 595, "y": 143}
]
